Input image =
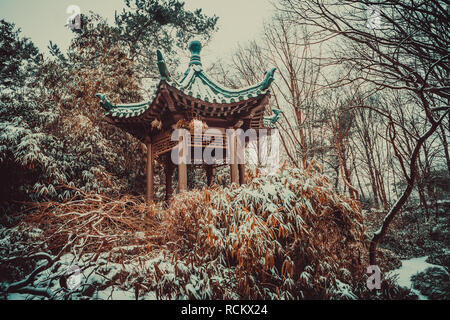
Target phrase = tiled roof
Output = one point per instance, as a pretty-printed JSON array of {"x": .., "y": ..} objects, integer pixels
[{"x": 195, "y": 83}]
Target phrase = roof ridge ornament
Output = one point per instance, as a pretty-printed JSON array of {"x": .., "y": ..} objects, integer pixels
[
  {"x": 195, "y": 47},
  {"x": 162, "y": 66},
  {"x": 268, "y": 79},
  {"x": 104, "y": 102},
  {"x": 270, "y": 122},
  {"x": 195, "y": 83}
]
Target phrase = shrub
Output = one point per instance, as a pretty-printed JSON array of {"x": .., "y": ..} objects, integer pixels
[{"x": 285, "y": 236}]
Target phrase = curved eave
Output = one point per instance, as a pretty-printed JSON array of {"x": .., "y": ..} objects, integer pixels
[
  {"x": 131, "y": 110},
  {"x": 127, "y": 112},
  {"x": 203, "y": 106},
  {"x": 216, "y": 100},
  {"x": 219, "y": 106},
  {"x": 199, "y": 85},
  {"x": 239, "y": 94},
  {"x": 268, "y": 124}
]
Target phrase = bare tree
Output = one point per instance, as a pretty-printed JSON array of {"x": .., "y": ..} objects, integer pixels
[
  {"x": 286, "y": 47},
  {"x": 405, "y": 49}
]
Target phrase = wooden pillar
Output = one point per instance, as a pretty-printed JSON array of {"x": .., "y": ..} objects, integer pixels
[
  {"x": 168, "y": 170},
  {"x": 234, "y": 171},
  {"x": 149, "y": 171},
  {"x": 182, "y": 167},
  {"x": 242, "y": 176},
  {"x": 258, "y": 155},
  {"x": 209, "y": 174},
  {"x": 240, "y": 157}
]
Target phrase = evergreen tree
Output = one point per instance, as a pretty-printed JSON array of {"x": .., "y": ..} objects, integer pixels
[
  {"x": 18, "y": 57},
  {"x": 54, "y": 140}
]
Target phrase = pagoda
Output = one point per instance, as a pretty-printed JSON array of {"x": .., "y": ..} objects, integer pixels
[{"x": 177, "y": 103}]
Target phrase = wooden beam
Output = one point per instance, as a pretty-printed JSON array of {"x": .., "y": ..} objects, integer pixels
[
  {"x": 166, "y": 95},
  {"x": 238, "y": 124},
  {"x": 149, "y": 171}
]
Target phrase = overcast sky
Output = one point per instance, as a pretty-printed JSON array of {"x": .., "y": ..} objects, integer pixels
[{"x": 43, "y": 20}]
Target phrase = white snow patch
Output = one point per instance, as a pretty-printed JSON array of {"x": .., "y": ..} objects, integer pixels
[
  {"x": 409, "y": 268},
  {"x": 140, "y": 235},
  {"x": 345, "y": 290},
  {"x": 150, "y": 296},
  {"x": 18, "y": 296},
  {"x": 111, "y": 293}
]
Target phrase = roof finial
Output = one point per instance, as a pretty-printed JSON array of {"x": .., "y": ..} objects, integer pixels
[{"x": 195, "y": 47}]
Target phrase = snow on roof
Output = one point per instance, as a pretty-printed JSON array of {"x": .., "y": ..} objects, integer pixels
[{"x": 195, "y": 83}]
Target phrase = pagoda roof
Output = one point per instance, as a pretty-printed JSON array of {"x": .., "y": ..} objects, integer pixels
[{"x": 194, "y": 85}]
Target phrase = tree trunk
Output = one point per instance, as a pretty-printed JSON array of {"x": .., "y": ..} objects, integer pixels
[
  {"x": 423, "y": 200},
  {"x": 445, "y": 144},
  {"x": 404, "y": 197}
]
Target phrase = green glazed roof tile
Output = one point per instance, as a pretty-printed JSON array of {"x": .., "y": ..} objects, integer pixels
[{"x": 195, "y": 83}]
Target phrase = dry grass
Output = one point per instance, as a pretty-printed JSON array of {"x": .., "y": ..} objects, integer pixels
[{"x": 92, "y": 222}]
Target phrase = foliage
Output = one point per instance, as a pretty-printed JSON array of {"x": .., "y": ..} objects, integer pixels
[
  {"x": 18, "y": 56},
  {"x": 146, "y": 25},
  {"x": 286, "y": 236},
  {"x": 53, "y": 135},
  {"x": 434, "y": 283},
  {"x": 85, "y": 231}
]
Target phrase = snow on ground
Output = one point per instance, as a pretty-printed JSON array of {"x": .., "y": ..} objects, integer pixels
[
  {"x": 409, "y": 268},
  {"x": 112, "y": 294},
  {"x": 18, "y": 296},
  {"x": 117, "y": 294}
]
